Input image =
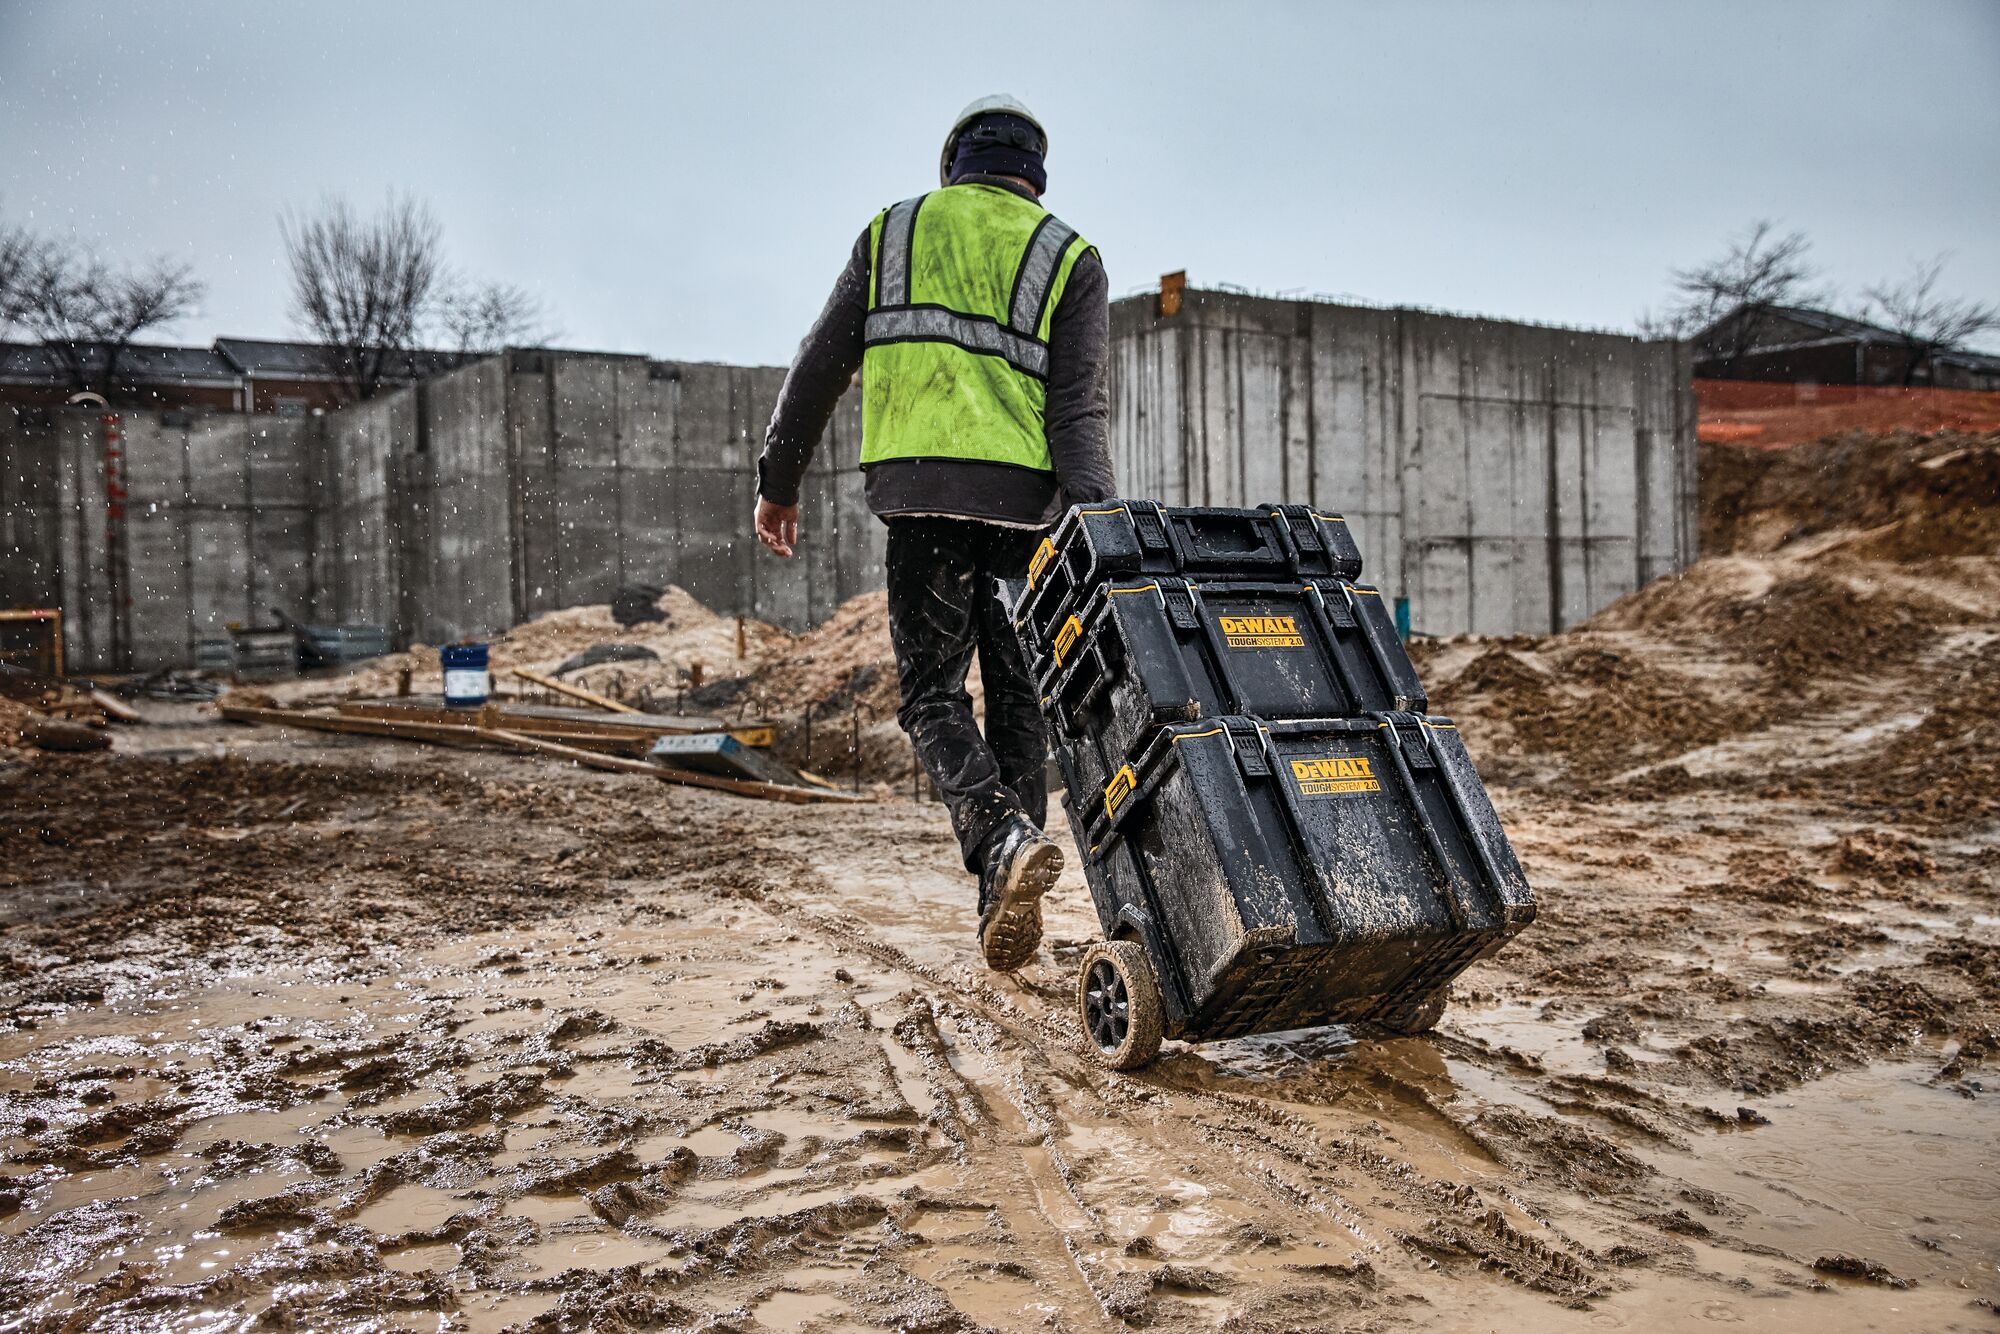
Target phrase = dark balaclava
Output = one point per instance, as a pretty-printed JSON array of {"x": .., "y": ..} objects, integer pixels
[{"x": 998, "y": 144}]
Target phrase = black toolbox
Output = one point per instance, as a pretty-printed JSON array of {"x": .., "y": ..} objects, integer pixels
[
  {"x": 1155, "y": 651},
  {"x": 1275, "y": 833},
  {"x": 1290, "y": 874},
  {"x": 1120, "y": 538}
]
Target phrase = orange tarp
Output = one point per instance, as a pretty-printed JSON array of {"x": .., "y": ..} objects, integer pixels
[{"x": 1753, "y": 412}]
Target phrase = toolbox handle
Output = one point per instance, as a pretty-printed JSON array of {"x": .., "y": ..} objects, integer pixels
[
  {"x": 1322, "y": 605},
  {"x": 1452, "y": 902},
  {"x": 1383, "y": 663},
  {"x": 1461, "y": 800},
  {"x": 1259, "y": 736}
]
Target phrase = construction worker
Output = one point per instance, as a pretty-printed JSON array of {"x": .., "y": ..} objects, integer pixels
[{"x": 981, "y": 326}]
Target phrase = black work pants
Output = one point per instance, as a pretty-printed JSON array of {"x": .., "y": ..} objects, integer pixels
[{"x": 944, "y": 607}]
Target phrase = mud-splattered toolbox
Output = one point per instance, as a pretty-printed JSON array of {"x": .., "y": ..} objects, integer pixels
[{"x": 1275, "y": 832}]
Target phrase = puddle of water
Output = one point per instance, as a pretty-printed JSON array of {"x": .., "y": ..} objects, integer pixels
[
  {"x": 795, "y": 1310},
  {"x": 1871, "y": 1163},
  {"x": 598, "y": 1249},
  {"x": 433, "y": 1257},
  {"x": 409, "y": 1208},
  {"x": 545, "y": 1210}
]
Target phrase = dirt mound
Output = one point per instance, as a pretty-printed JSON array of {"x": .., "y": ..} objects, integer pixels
[
  {"x": 833, "y": 694},
  {"x": 1795, "y": 618},
  {"x": 13, "y": 717},
  {"x": 1912, "y": 496},
  {"x": 1598, "y": 709},
  {"x": 1946, "y": 769},
  {"x": 689, "y": 636}
]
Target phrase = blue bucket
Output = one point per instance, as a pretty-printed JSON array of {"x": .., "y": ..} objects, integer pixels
[{"x": 466, "y": 682}]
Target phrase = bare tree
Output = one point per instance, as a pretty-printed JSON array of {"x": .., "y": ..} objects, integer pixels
[
  {"x": 1926, "y": 322},
  {"x": 20, "y": 252},
  {"x": 485, "y": 318},
  {"x": 88, "y": 313},
  {"x": 362, "y": 288},
  {"x": 1670, "y": 323},
  {"x": 1759, "y": 271}
]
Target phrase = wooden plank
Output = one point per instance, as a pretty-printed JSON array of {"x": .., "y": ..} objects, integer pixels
[
  {"x": 116, "y": 709},
  {"x": 740, "y": 786},
  {"x": 604, "y": 702},
  {"x": 442, "y": 733},
  {"x": 619, "y": 740},
  {"x": 640, "y": 729},
  {"x": 461, "y": 734}
]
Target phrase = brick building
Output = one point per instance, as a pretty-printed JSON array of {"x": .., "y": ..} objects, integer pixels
[
  {"x": 1801, "y": 345},
  {"x": 230, "y": 375}
]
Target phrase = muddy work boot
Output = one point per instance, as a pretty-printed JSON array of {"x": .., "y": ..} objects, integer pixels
[{"x": 1021, "y": 866}]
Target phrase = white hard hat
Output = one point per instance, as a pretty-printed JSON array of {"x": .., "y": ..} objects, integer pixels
[{"x": 1002, "y": 102}]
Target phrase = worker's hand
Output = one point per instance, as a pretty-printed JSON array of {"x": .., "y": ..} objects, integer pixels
[{"x": 777, "y": 526}]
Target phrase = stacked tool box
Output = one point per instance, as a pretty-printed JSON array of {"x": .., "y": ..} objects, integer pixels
[{"x": 1275, "y": 832}]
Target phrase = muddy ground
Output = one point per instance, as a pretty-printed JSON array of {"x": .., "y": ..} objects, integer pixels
[{"x": 304, "y": 1031}]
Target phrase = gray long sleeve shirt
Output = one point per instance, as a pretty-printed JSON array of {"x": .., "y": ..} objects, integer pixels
[{"x": 1076, "y": 417}]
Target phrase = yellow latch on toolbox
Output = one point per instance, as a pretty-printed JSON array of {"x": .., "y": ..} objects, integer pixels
[
  {"x": 1043, "y": 555},
  {"x": 1072, "y": 630},
  {"x": 1119, "y": 788}
]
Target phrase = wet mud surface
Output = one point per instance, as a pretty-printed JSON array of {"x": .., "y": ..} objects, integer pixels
[{"x": 322, "y": 1033}]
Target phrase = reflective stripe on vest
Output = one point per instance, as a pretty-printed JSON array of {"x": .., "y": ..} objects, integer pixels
[{"x": 956, "y": 356}]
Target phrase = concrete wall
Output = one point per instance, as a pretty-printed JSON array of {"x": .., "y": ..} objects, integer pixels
[
  {"x": 1505, "y": 478},
  {"x": 217, "y": 525},
  {"x": 541, "y": 480}
]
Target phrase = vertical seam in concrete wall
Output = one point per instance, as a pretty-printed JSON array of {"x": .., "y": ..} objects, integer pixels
[
  {"x": 250, "y": 590},
  {"x": 184, "y": 521},
  {"x": 1552, "y": 520},
  {"x": 517, "y": 501},
  {"x": 1185, "y": 444},
  {"x": 618, "y": 472},
  {"x": 1409, "y": 452},
  {"x": 553, "y": 437}
]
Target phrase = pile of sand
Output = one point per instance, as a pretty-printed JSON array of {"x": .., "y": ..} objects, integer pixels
[
  {"x": 14, "y": 715},
  {"x": 691, "y": 641},
  {"x": 1898, "y": 496},
  {"x": 833, "y": 694},
  {"x": 1854, "y": 584}
]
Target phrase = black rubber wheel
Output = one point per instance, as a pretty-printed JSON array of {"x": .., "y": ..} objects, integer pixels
[
  {"x": 1118, "y": 1002},
  {"x": 1416, "y": 1020}
]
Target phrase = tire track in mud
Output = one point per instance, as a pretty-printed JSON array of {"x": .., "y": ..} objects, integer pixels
[{"x": 1021, "y": 1048}]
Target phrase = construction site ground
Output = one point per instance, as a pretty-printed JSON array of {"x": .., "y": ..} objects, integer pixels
[{"x": 322, "y": 1032}]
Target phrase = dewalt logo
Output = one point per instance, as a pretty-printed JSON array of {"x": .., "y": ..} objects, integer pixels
[
  {"x": 1261, "y": 631},
  {"x": 1336, "y": 775}
]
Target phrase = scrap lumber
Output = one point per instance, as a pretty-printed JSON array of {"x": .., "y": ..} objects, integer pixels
[
  {"x": 604, "y": 702},
  {"x": 541, "y": 719},
  {"x": 471, "y": 734},
  {"x": 745, "y": 787},
  {"x": 115, "y": 708},
  {"x": 394, "y": 728},
  {"x": 580, "y": 732}
]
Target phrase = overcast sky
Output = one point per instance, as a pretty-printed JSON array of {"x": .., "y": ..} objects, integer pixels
[{"x": 686, "y": 181}]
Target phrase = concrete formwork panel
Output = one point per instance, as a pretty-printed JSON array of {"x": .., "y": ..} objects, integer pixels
[
  {"x": 30, "y": 502},
  {"x": 463, "y": 434},
  {"x": 1503, "y": 478},
  {"x": 359, "y": 578},
  {"x": 715, "y": 561}
]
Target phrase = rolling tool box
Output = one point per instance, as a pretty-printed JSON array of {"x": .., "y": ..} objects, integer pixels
[
  {"x": 1095, "y": 543},
  {"x": 1275, "y": 833},
  {"x": 1166, "y": 650},
  {"x": 1289, "y": 874}
]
